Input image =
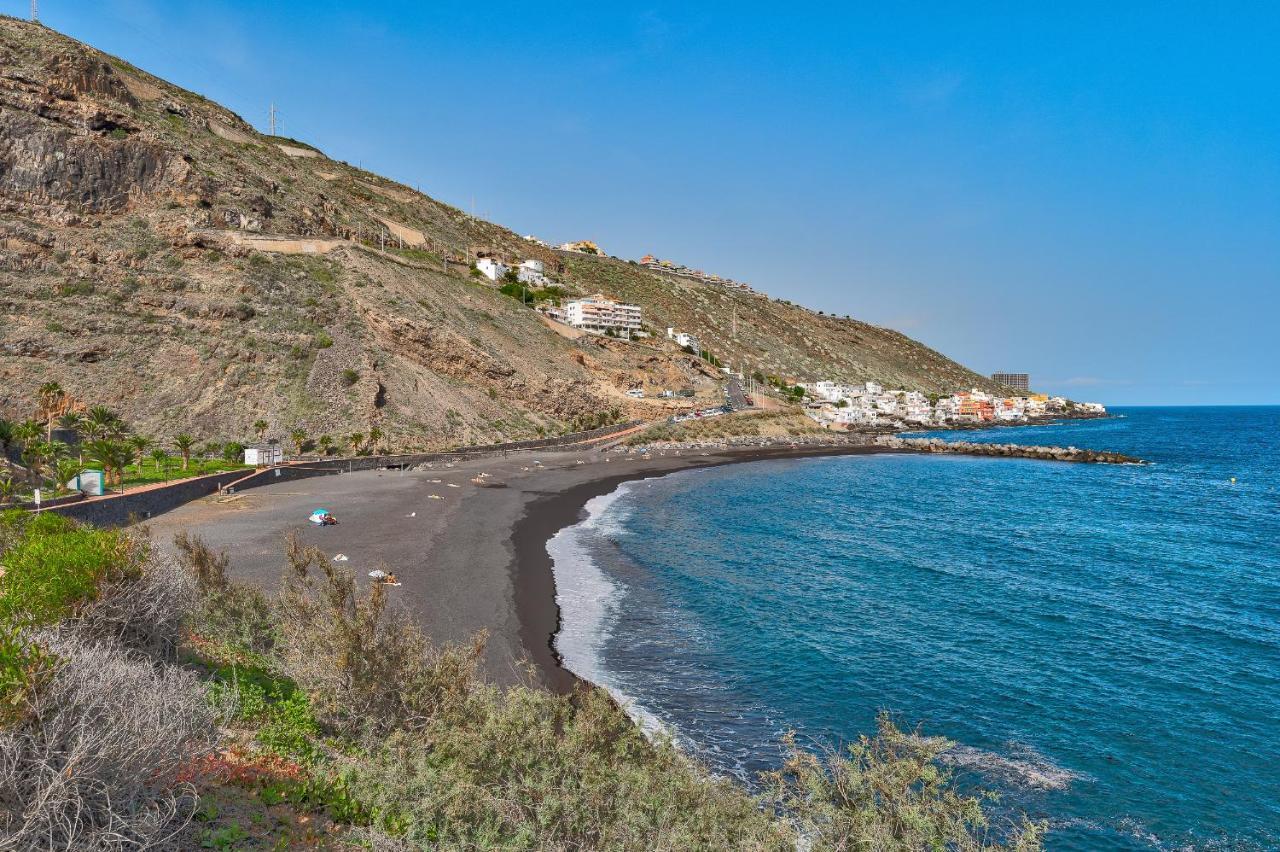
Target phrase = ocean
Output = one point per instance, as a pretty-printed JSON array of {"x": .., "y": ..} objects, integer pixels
[{"x": 1101, "y": 642}]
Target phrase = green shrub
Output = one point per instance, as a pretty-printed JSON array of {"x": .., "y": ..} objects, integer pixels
[
  {"x": 322, "y": 340},
  {"x": 350, "y": 377},
  {"x": 56, "y": 566},
  {"x": 76, "y": 288},
  {"x": 20, "y": 662},
  {"x": 49, "y": 567}
]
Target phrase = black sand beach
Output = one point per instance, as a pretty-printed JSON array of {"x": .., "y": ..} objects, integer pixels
[{"x": 470, "y": 557}]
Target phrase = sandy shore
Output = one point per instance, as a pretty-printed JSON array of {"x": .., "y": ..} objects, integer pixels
[{"x": 470, "y": 557}]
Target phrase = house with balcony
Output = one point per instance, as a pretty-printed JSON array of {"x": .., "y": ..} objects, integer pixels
[{"x": 601, "y": 315}]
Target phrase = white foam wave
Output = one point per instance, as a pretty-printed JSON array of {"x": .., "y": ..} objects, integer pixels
[{"x": 588, "y": 602}]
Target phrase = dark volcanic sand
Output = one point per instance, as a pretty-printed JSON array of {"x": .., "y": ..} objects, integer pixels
[{"x": 474, "y": 560}]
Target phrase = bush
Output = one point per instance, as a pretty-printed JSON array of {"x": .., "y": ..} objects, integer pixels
[
  {"x": 408, "y": 740},
  {"x": 350, "y": 377},
  {"x": 76, "y": 288},
  {"x": 322, "y": 340},
  {"x": 144, "y": 611},
  {"x": 229, "y": 613},
  {"x": 527, "y": 769},
  {"x": 368, "y": 668},
  {"x": 95, "y": 763},
  {"x": 55, "y": 566},
  {"x": 887, "y": 792}
]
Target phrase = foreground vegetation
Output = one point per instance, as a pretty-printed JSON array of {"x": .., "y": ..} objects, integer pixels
[{"x": 149, "y": 703}]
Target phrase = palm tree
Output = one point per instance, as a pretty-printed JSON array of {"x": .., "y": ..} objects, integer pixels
[
  {"x": 354, "y": 440},
  {"x": 260, "y": 427},
  {"x": 72, "y": 421},
  {"x": 50, "y": 393},
  {"x": 101, "y": 422},
  {"x": 160, "y": 457},
  {"x": 211, "y": 450},
  {"x": 299, "y": 437},
  {"x": 140, "y": 444},
  {"x": 325, "y": 443},
  {"x": 112, "y": 456},
  {"x": 67, "y": 469},
  {"x": 184, "y": 443},
  {"x": 37, "y": 455},
  {"x": 375, "y": 435},
  {"x": 26, "y": 433},
  {"x": 8, "y": 488}
]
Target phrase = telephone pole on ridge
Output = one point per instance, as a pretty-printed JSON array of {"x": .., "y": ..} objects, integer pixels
[
  {"x": 35, "y": 12},
  {"x": 273, "y": 113}
]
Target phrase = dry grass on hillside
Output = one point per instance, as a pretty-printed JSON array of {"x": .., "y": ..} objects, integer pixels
[{"x": 787, "y": 423}]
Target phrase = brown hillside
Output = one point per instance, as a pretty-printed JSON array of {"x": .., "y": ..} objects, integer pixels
[{"x": 159, "y": 255}]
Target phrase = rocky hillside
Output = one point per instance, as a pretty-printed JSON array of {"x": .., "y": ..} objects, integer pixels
[{"x": 159, "y": 255}]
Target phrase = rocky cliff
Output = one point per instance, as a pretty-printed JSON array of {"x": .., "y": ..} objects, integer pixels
[{"x": 159, "y": 255}]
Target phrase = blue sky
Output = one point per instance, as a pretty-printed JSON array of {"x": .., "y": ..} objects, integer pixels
[{"x": 1089, "y": 193}]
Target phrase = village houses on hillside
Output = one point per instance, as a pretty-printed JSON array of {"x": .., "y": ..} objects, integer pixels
[{"x": 869, "y": 404}]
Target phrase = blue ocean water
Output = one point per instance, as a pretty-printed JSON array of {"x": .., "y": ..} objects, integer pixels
[{"x": 1103, "y": 642}]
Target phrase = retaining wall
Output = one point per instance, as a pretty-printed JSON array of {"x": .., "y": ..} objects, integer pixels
[{"x": 130, "y": 507}]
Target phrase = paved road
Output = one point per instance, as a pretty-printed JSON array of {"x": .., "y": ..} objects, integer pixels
[{"x": 737, "y": 398}]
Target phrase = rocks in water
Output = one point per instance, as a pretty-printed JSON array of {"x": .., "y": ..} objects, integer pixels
[{"x": 970, "y": 448}]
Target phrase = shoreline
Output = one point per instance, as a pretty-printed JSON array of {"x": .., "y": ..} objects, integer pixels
[
  {"x": 533, "y": 570},
  {"x": 467, "y": 538}
]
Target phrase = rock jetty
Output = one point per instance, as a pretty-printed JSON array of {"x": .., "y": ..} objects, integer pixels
[{"x": 970, "y": 448}]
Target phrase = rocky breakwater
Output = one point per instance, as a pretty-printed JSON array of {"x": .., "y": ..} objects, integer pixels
[{"x": 969, "y": 448}]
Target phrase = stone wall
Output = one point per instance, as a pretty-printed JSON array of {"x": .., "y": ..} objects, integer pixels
[{"x": 135, "y": 506}]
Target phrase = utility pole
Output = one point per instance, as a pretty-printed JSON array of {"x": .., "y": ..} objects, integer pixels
[
  {"x": 735, "y": 320},
  {"x": 273, "y": 113},
  {"x": 35, "y": 12}
]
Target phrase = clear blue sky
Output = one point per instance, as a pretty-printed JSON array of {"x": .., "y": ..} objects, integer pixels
[{"x": 1090, "y": 193}]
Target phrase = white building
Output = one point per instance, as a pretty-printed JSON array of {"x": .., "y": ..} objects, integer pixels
[
  {"x": 262, "y": 455},
  {"x": 916, "y": 408},
  {"x": 601, "y": 314},
  {"x": 1011, "y": 409},
  {"x": 490, "y": 268},
  {"x": 532, "y": 272},
  {"x": 683, "y": 339}
]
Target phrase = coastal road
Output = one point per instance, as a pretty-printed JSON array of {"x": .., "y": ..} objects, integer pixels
[{"x": 737, "y": 398}]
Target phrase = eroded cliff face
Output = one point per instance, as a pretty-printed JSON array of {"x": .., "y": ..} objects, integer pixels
[
  {"x": 44, "y": 166},
  {"x": 69, "y": 142},
  {"x": 159, "y": 255}
]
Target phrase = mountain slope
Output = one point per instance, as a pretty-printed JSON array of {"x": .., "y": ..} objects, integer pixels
[{"x": 159, "y": 255}]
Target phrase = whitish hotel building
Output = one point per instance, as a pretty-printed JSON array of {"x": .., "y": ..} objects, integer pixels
[{"x": 599, "y": 313}]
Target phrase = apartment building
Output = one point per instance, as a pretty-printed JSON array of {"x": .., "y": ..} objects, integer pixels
[{"x": 601, "y": 314}]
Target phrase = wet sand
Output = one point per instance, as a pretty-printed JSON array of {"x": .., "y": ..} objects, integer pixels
[{"x": 474, "y": 559}]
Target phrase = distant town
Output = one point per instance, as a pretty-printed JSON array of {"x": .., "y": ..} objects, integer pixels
[
  {"x": 835, "y": 405},
  {"x": 869, "y": 404}
]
